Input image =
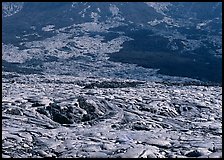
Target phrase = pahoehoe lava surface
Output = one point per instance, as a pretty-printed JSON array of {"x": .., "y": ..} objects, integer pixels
[
  {"x": 57, "y": 116},
  {"x": 111, "y": 79}
]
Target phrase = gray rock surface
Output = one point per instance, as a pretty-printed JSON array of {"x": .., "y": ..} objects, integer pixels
[{"x": 149, "y": 120}]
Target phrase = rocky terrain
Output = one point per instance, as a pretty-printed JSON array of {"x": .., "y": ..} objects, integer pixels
[
  {"x": 67, "y": 116},
  {"x": 81, "y": 37},
  {"x": 112, "y": 79}
]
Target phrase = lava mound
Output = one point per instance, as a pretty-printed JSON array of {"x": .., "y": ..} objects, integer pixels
[{"x": 83, "y": 110}]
